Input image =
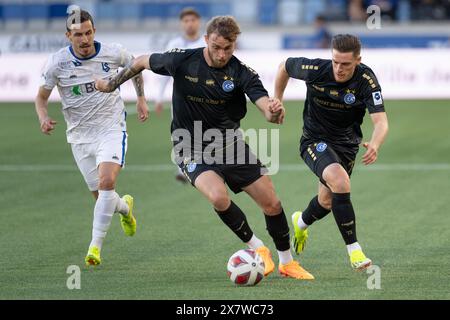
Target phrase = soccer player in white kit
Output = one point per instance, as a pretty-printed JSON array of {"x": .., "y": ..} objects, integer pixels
[
  {"x": 96, "y": 121},
  {"x": 190, "y": 21}
]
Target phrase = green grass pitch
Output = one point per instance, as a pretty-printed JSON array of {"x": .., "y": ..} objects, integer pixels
[{"x": 181, "y": 247}]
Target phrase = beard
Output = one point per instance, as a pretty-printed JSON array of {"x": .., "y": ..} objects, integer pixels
[{"x": 216, "y": 63}]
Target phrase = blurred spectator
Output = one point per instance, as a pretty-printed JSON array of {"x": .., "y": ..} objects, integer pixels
[
  {"x": 357, "y": 9},
  {"x": 430, "y": 9},
  {"x": 322, "y": 38},
  {"x": 388, "y": 8},
  {"x": 356, "y": 12}
]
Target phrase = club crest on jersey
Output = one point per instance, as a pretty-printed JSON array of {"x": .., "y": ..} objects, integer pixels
[
  {"x": 105, "y": 66},
  {"x": 228, "y": 86},
  {"x": 321, "y": 147},
  {"x": 191, "y": 167},
  {"x": 349, "y": 98}
]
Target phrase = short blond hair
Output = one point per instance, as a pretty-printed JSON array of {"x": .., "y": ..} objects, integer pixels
[{"x": 225, "y": 26}]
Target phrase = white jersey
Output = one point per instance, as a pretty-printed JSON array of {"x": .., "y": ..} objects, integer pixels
[
  {"x": 88, "y": 112},
  {"x": 180, "y": 43},
  {"x": 183, "y": 43}
]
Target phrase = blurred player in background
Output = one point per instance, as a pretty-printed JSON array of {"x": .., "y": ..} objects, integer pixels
[
  {"x": 338, "y": 93},
  {"x": 96, "y": 121},
  {"x": 190, "y": 21},
  {"x": 210, "y": 85}
]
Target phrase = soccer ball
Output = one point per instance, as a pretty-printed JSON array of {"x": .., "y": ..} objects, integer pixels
[{"x": 245, "y": 268}]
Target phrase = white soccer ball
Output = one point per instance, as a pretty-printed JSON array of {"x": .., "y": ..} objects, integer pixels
[{"x": 245, "y": 268}]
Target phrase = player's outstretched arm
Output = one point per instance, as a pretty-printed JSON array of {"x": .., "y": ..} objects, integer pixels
[
  {"x": 41, "y": 105},
  {"x": 281, "y": 81},
  {"x": 271, "y": 108},
  {"x": 380, "y": 131},
  {"x": 132, "y": 69}
]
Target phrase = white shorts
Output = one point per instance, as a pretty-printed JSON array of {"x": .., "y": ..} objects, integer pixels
[{"x": 112, "y": 147}]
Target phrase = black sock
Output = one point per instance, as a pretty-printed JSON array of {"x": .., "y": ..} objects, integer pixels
[
  {"x": 344, "y": 216},
  {"x": 279, "y": 230},
  {"x": 314, "y": 212},
  {"x": 235, "y": 219}
]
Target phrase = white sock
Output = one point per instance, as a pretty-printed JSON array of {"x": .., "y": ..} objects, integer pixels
[
  {"x": 285, "y": 256},
  {"x": 301, "y": 224},
  {"x": 103, "y": 213},
  {"x": 255, "y": 243},
  {"x": 122, "y": 206},
  {"x": 352, "y": 247}
]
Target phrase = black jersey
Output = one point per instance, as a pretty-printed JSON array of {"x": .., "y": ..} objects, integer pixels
[
  {"x": 214, "y": 96},
  {"x": 334, "y": 111}
]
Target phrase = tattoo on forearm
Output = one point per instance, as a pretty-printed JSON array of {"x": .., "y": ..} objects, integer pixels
[
  {"x": 125, "y": 74},
  {"x": 138, "y": 82}
]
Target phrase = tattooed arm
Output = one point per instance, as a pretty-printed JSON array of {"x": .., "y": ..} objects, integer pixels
[
  {"x": 141, "y": 103},
  {"x": 131, "y": 70},
  {"x": 138, "y": 82}
]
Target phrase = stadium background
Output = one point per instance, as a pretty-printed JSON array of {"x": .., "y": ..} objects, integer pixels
[{"x": 181, "y": 248}]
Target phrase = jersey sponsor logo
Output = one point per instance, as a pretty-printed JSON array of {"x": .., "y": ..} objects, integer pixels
[
  {"x": 78, "y": 90},
  {"x": 321, "y": 147},
  {"x": 64, "y": 64},
  {"x": 377, "y": 98},
  {"x": 349, "y": 98},
  {"x": 334, "y": 93},
  {"x": 228, "y": 86},
  {"x": 191, "y": 79},
  {"x": 105, "y": 66}
]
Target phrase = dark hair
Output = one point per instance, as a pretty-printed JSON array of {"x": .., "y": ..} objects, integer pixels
[
  {"x": 189, "y": 11},
  {"x": 321, "y": 18},
  {"x": 347, "y": 43},
  {"x": 225, "y": 26},
  {"x": 72, "y": 18}
]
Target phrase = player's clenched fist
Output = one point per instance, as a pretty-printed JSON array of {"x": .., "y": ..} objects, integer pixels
[
  {"x": 103, "y": 85},
  {"x": 277, "y": 110},
  {"x": 47, "y": 125}
]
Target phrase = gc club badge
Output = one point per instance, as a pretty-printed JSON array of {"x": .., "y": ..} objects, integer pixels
[
  {"x": 349, "y": 98},
  {"x": 228, "y": 86},
  {"x": 321, "y": 147}
]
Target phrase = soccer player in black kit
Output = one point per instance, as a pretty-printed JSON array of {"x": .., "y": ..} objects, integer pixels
[
  {"x": 338, "y": 93},
  {"x": 209, "y": 91}
]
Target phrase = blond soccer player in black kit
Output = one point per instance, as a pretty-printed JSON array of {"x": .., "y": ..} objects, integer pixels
[
  {"x": 209, "y": 89},
  {"x": 339, "y": 91}
]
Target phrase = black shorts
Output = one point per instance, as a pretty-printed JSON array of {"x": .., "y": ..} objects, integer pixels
[
  {"x": 235, "y": 175},
  {"x": 319, "y": 154}
]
